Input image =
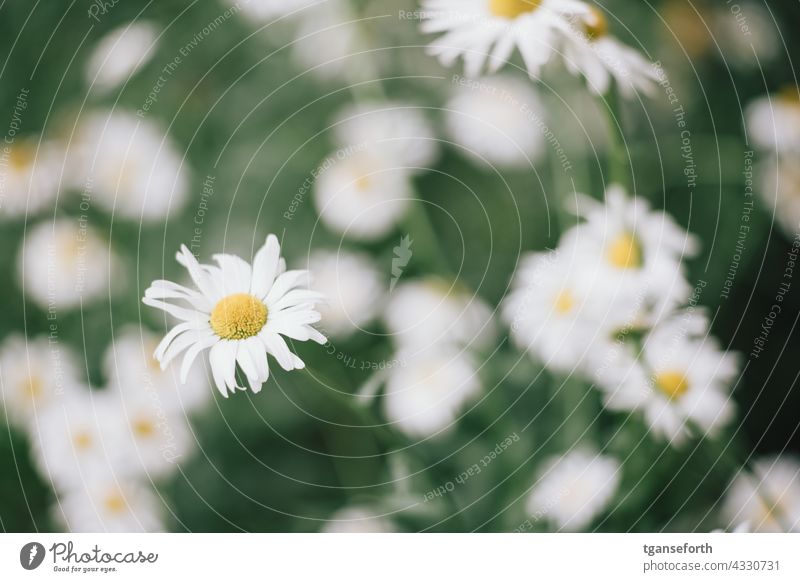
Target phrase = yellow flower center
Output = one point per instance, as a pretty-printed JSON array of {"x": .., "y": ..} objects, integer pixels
[
  {"x": 564, "y": 302},
  {"x": 33, "y": 387},
  {"x": 22, "y": 156},
  {"x": 143, "y": 428},
  {"x": 238, "y": 316},
  {"x": 625, "y": 252},
  {"x": 512, "y": 8},
  {"x": 362, "y": 183},
  {"x": 115, "y": 503},
  {"x": 790, "y": 95},
  {"x": 82, "y": 440},
  {"x": 595, "y": 24},
  {"x": 672, "y": 384}
]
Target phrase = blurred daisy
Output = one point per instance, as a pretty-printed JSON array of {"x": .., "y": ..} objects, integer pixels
[
  {"x": 574, "y": 489},
  {"x": 481, "y": 30},
  {"x": 34, "y": 375},
  {"x": 109, "y": 505},
  {"x": 425, "y": 313},
  {"x": 769, "y": 499},
  {"x": 590, "y": 51},
  {"x": 427, "y": 392},
  {"x": 773, "y": 121},
  {"x": 29, "y": 177},
  {"x": 64, "y": 263},
  {"x": 265, "y": 10},
  {"x": 395, "y": 131},
  {"x": 681, "y": 379},
  {"x": 352, "y": 287},
  {"x": 78, "y": 439},
  {"x": 240, "y": 312},
  {"x": 779, "y": 181},
  {"x": 755, "y": 49},
  {"x": 357, "y": 519},
  {"x": 120, "y": 54},
  {"x": 361, "y": 195},
  {"x": 494, "y": 121},
  {"x": 129, "y": 166},
  {"x": 133, "y": 371}
]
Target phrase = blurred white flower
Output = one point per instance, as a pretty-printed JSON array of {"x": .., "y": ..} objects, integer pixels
[
  {"x": 773, "y": 121},
  {"x": 572, "y": 490},
  {"x": 429, "y": 312},
  {"x": 748, "y": 38},
  {"x": 29, "y": 177},
  {"x": 395, "y": 131},
  {"x": 265, "y": 10},
  {"x": 240, "y": 312},
  {"x": 490, "y": 30},
  {"x": 357, "y": 519},
  {"x": 110, "y": 505},
  {"x": 132, "y": 370},
  {"x": 361, "y": 195},
  {"x": 64, "y": 263},
  {"x": 779, "y": 185},
  {"x": 128, "y": 166},
  {"x": 34, "y": 375},
  {"x": 495, "y": 120},
  {"x": 426, "y": 393},
  {"x": 769, "y": 499},
  {"x": 624, "y": 245},
  {"x": 681, "y": 379},
  {"x": 590, "y": 51},
  {"x": 78, "y": 439},
  {"x": 120, "y": 54},
  {"x": 352, "y": 287}
]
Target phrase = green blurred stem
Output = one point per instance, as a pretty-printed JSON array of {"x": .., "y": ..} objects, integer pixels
[
  {"x": 619, "y": 171},
  {"x": 578, "y": 413},
  {"x": 425, "y": 241}
]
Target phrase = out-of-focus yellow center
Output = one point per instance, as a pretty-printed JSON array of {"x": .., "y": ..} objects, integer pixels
[
  {"x": 143, "y": 428},
  {"x": 512, "y": 8},
  {"x": 238, "y": 316},
  {"x": 790, "y": 95},
  {"x": 595, "y": 24},
  {"x": 21, "y": 156},
  {"x": 115, "y": 503},
  {"x": 82, "y": 440},
  {"x": 625, "y": 252},
  {"x": 33, "y": 387},
  {"x": 672, "y": 384},
  {"x": 564, "y": 302}
]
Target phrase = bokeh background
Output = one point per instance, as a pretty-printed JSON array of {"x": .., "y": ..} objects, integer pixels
[{"x": 255, "y": 120}]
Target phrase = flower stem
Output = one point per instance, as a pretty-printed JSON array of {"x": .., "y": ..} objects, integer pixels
[{"x": 619, "y": 171}]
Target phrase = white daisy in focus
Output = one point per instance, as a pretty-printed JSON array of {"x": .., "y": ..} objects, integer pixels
[
  {"x": 110, "y": 505},
  {"x": 681, "y": 379},
  {"x": 240, "y": 313},
  {"x": 427, "y": 392},
  {"x": 591, "y": 52},
  {"x": 361, "y": 195},
  {"x": 120, "y": 54},
  {"x": 395, "y": 131},
  {"x": 769, "y": 499},
  {"x": 65, "y": 262},
  {"x": 353, "y": 289},
  {"x": 34, "y": 375},
  {"x": 623, "y": 245},
  {"x": 572, "y": 490},
  {"x": 490, "y": 30},
  {"x": 494, "y": 120},
  {"x": 29, "y": 177},
  {"x": 773, "y": 121},
  {"x": 132, "y": 370},
  {"x": 129, "y": 166},
  {"x": 425, "y": 313},
  {"x": 779, "y": 186},
  {"x": 357, "y": 519},
  {"x": 78, "y": 439}
]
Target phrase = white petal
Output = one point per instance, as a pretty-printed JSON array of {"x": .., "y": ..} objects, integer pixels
[{"x": 266, "y": 267}]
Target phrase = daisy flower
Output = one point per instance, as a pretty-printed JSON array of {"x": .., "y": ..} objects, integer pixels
[
  {"x": 590, "y": 51},
  {"x": 769, "y": 500},
  {"x": 352, "y": 286},
  {"x": 29, "y": 177},
  {"x": 427, "y": 392},
  {"x": 779, "y": 181},
  {"x": 265, "y": 10},
  {"x": 120, "y": 54},
  {"x": 34, "y": 375},
  {"x": 572, "y": 490},
  {"x": 493, "y": 120},
  {"x": 358, "y": 519},
  {"x": 773, "y": 121},
  {"x": 481, "y": 30},
  {"x": 240, "y": 313},
  {"x": 110, "y": 505}
]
